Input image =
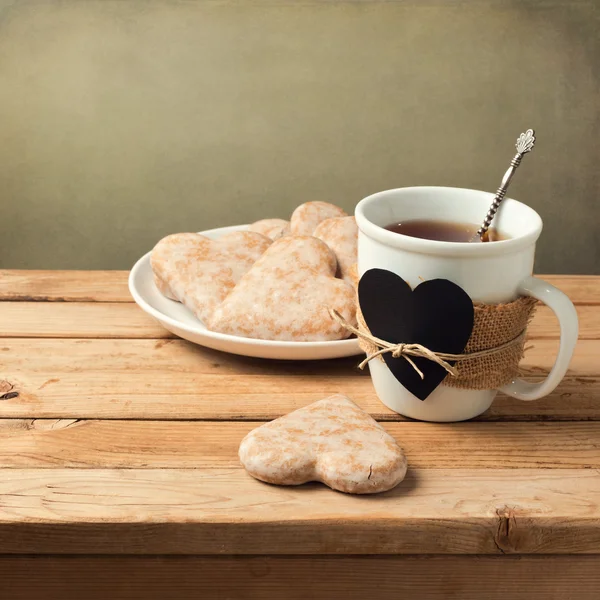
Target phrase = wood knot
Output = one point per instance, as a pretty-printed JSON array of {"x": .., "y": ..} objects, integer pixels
[
  {"x": 505, "y": 535},
  {"x": 7, "y": 390}
]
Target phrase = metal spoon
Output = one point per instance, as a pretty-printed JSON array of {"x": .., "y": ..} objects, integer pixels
[{"x": 524, "y": 144}]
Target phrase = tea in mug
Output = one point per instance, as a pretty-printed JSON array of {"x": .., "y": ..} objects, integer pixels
[{"x": 444, "y": 231}]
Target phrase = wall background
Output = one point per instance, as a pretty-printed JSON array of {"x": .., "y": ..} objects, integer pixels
[{"x": 123, "y": 121}]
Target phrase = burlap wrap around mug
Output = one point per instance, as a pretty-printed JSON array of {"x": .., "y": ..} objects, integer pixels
[
  {"x": 494, "y": 326},
  {"x": 498, "y": 338}
]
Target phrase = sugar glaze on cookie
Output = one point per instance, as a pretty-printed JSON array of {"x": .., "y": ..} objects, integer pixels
[
  {"x": 272, "y": 228},
  {"x": 341, "y": 235},
  {"x": 286, "y": 295},
  {"x": 332, "y": 441},
  {"x": 307, "y": 216},
  {"x": 200, "y": 272}
]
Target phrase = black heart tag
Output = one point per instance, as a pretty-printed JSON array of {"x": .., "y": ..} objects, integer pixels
[{"x": 438, "y": 314}]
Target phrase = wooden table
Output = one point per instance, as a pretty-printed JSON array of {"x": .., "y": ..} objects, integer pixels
[{"x": 120, "y": 477}]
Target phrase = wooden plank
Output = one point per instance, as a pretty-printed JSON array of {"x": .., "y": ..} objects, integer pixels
[
  {"x": 130, "y": 397},
  {"x": 575, "y": 399},
  {"x": 172, "y": 379},
  {"x": 52, "y": 443},
  {"x": 529, "y": 577},
  {"x": 64, "y": 286},
  {"x": 111, "y": 286},
  {"x": 224, "y": 511},
  {"x": 77, "y": 320},
  {"x": 124, "y": 320},
  {"x": 176, "y": 356},
  {"x": 582, "y": 289},
  {"x": 246, "y": 397}
]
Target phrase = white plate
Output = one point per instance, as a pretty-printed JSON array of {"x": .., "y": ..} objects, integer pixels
[{"x": 177, "y": 319}]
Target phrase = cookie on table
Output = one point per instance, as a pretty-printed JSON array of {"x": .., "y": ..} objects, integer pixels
[
  {"x": 307, "y": 216},
  {"x": 199, "y": 272},
  {"x": 272, "y": 228},
  {"x": 332, "y": 441},
  {"x": 286, "y": 295},
  {"x": 341, "y": 235}
]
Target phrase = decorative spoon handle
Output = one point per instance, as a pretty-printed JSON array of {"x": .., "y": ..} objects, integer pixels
[{"x": 524, "y": 145}]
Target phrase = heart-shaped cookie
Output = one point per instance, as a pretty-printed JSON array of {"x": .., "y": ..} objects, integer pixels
[
  {"x": 200, "y": 272},
  {"x": 286, "y": 295},
  {"x": 332, "y": 441},
  {"x": 307, "y": 216},
  {"x": 163, "y": 288},
  {"x": 272, "y": 228},
  {"x": 341, "y": 235},
  {"x": 438, "y": 314}
]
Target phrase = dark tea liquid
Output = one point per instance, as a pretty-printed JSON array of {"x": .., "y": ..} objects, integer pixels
[{"x": 443, "y": 231}]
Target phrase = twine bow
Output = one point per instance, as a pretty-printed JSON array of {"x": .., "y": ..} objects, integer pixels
[{"x": 417, "y": 350}]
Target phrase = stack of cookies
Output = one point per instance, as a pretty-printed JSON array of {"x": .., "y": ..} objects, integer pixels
[{"x": 275, "y": 281}]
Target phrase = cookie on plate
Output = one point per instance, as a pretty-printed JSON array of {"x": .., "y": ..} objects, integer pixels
[
  {"x": 286, "y": 295},
  {"x": 199, "y": 272},
  {"x": 341, "y": 235},
  {"x": 307, "y": 216},
  {"x": 272, "y": 228}
]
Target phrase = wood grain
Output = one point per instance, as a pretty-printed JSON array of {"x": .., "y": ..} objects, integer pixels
[
  {"x": 224, "y": 511},
  {"x": 122, "y": 466},
  {"x": 574, "y": 400},
  {"x": 177, "y": 357},
  {"x": 581, "y": 289},
  {"x": 77, "y": 320},
  {"x": 64, "y": 286},
  {"x": 124, "y": 320},
  {"x": 111, "y": 286},
  {"x": 245, "y": 398},
  {"x": 172, "y": 379},
  {"x": 299, "y": 578},
  {"x": 52, "y": 443}
]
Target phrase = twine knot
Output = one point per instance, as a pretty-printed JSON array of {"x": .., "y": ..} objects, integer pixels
[{"x": 398, "y": 350}]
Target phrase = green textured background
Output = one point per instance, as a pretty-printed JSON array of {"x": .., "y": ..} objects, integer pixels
[{"x": 123, "y": 121}]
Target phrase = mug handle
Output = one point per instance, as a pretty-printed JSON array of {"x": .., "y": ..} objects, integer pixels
[{"x": 567, "y": 318}]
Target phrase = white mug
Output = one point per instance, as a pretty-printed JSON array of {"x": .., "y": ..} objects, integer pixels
[{"x": 489, "y": 272}]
